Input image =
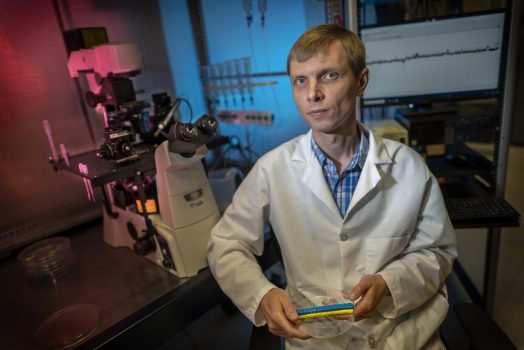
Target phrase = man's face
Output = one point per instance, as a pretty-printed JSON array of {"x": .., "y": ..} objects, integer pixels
[{"x": 325, "y": 91}]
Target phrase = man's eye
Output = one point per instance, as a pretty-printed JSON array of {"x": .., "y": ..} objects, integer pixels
[
  {"x": 300, "y": 81},
  {"x": 331, "y": 75}
]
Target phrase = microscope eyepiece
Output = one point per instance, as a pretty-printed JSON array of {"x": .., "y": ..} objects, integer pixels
[
  {"x": 207, "y": 124},
  {"x": 186, "y": 132}
]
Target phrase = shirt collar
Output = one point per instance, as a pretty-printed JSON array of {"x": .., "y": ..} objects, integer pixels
[{"x": 361, "y": 154}]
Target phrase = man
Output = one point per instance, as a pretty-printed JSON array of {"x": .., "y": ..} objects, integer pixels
[{"x": 351, "y": 211}]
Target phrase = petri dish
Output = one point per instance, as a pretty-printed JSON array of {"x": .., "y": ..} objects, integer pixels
[
  {"x": 68, "y": 327},
  {"x": 325, "y": 326},
  {"x": 48, "y": 258}
]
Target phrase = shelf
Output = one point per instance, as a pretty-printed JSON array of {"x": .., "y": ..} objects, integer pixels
[{"x": 443, "y": 166}]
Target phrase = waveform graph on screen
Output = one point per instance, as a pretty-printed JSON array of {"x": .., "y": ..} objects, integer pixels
[{"x": 435, "y": 57}]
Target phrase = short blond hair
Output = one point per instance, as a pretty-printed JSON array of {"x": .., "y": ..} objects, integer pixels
[{"x": 318, "y": 40}]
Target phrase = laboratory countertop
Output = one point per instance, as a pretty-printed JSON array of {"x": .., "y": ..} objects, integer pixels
[{"x": 139, "y": 303}]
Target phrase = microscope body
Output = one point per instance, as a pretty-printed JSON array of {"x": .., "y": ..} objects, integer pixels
[
  {"x": 175, "y": 234},
  {"x": 108, "y": 69},
  {"x": 187, "y": 210},
  {"x": 187, "y": 213}
]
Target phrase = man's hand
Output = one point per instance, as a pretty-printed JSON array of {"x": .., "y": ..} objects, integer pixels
[
  {"x": 281, "y": 315},
  {"x": 371, "y": 288}
]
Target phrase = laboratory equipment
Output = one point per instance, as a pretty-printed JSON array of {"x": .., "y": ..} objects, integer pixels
[
  {"x": 230, "y": 68},
  {"x": 239, "y": 73},
  {"x": 324, "y": 311},
  {"x": 158, "y": 201},
  {"x": 389, "y": 129},
  {"x": 248, "y": 77},
  {"x": 262, "y": 7},
  {"x": 176, "y": 235},
  {"x": 474, "y": 210},
  {"x": 221, "y": 76},
  {"x": 223, "y": 183},
  {"x": 69, "y": 327},
  {"x": 231, "y": 77},
  {"x": 48, "y": 259},
  {"x": 431, "y": 60},
  {"x": 108, "y": 68},
  {"x": 248, "y": 8},
  {"x": 212, "y": 96},
  {"x": 49, "y": 134}
]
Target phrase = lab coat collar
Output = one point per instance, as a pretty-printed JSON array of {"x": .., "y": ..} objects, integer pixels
[
  {"x": 377, "y": 151},
  {"x": 372, "y": 173},
  {"x": 313, "y": 177}
]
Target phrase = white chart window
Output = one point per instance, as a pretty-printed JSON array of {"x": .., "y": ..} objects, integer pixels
[{"x": 447, "y": 56}]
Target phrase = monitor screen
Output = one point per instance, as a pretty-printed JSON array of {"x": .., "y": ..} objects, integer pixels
[{"x": 434, "y": 60}]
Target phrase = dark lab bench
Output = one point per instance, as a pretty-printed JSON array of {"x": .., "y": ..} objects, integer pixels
[{"x": 141, "y": 304}]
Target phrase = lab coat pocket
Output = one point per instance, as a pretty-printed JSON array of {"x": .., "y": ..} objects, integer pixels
[
  {"x": 423, "y": 322},
  {"x": 382, "y": 250}
]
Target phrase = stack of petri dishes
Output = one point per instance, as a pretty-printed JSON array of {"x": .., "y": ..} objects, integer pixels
[
  {"x": 48, "y": 259},
  {"x": 321, "y": 327}
]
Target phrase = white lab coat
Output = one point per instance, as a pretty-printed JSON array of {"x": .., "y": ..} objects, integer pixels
[{"x": 396, "y": 225}]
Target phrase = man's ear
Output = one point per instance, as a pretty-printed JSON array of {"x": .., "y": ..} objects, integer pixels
[{"x": 363, "y": 81}]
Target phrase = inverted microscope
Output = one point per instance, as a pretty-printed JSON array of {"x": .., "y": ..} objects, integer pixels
[{"x": 158, "y": 201}]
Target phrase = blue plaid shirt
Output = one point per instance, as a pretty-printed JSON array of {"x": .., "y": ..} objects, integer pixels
[{"x": 343, "y": 186}]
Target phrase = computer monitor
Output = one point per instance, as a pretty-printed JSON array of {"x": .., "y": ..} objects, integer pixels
[{"x": 439, "y": 59}]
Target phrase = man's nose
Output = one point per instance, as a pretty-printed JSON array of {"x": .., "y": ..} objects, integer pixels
[{"x": 314, "y": 93}]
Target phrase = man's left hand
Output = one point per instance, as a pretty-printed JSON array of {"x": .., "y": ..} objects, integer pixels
[{"x": 371, "y": 289}]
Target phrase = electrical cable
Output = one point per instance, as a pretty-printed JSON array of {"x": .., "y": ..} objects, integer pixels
[
  {"x": 248, "y": 8},
  {"x": 262, "y": 8},
  {"x": 248, "y": 140},
  {"x": 236, "y": 146},
  {"x": 266, "y": 54},
  {"x": 252, "y": 49},
  {"x": 255, "y": 65},
  {"x": 167, "y": 119},
  {"x": 188, "y": 106}
]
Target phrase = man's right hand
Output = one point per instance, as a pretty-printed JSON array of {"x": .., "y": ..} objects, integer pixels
[{"x": 281, "y": 315}]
